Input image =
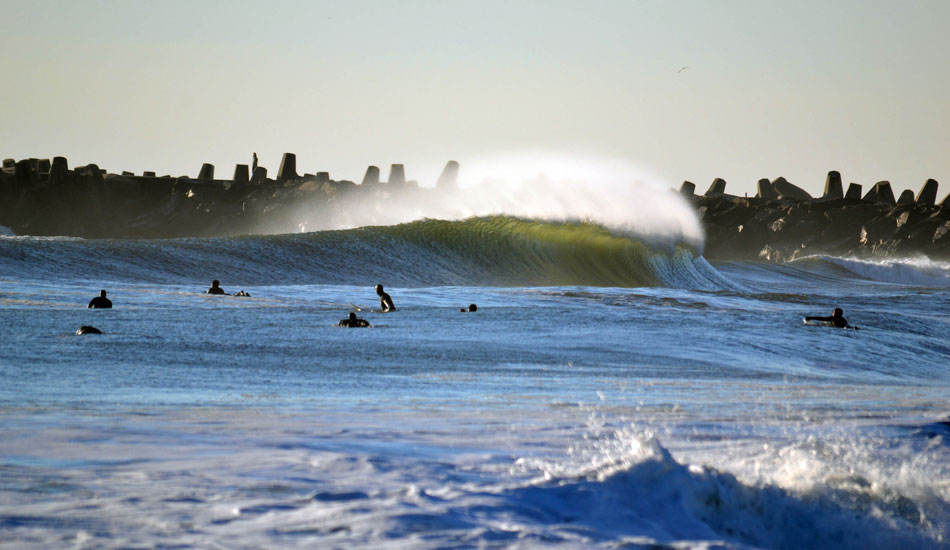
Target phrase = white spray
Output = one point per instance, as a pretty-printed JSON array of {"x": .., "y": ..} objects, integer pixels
[{"x": 616, "y": 194}]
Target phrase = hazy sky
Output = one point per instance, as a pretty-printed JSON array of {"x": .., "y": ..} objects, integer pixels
[{"x": 772, "y": 88}]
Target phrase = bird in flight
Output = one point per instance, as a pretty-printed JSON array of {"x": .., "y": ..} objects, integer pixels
[{"x": 683, "y": 68}]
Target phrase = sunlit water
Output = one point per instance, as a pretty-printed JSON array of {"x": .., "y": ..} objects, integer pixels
[{"x": 553, "y": 417}]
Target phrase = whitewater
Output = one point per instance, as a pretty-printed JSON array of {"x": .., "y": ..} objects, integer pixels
[{"x": 613, "y": 390}]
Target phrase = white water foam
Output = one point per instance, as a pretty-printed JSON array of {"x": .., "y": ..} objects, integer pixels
[
  {"x": 920, "y": 271},
  {"x": 802, "y": 494}
]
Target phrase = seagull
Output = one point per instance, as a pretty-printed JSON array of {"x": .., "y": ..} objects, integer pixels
[{"x": 682, "y": 69}]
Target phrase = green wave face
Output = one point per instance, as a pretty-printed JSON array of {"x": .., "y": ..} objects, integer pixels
[{"x": 513, "y": 251}]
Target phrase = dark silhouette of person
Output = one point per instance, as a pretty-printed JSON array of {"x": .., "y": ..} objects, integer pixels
[
  {"x": 385, "y": 301},
  {"x": 215, "y": 289},
  {"x": 353, "y": 321},
  {"x": 86, "y": 329},
  {"x": 100, "y": 301},
  {"x": 471, "y": 307},
  {"x": 242, "y": 293},
  {"x": 837, "y": 319}
]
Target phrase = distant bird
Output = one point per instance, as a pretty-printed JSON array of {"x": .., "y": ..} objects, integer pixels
[{"x": 682, "y": 69}]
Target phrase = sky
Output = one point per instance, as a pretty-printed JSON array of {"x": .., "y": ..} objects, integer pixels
[{"x": 687, "y": 90}]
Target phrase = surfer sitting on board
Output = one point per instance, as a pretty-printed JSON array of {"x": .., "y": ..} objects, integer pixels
[
  {"x": 471, "y": 307},
  {"x": 215, "y": 289},
  {"x": 385, "y": 301},
  {"x": 353, "y": 321},
  {"x": 100, "y": 301},
  {"x": 837, "y": 319}
]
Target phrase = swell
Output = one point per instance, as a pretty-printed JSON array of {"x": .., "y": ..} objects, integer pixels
[{"x": 488, "y": 251}]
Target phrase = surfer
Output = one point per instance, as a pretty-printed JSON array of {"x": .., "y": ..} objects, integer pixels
[
  {"x": 242, "y": 293},
  {"x": 385, "y": 301},
  {"x": 215, "y": 288},
  {"x": 100, "y": 301},
  {"x": 86, "y": 329},
  {"x": 837, "y": 319},
  {"x": 353, "y": 321},
  {"x": 471, "y": 307}
]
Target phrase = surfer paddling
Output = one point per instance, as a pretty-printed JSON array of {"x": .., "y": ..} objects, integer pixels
[
  {"x": 385, "y": 301},
  {"x": 100, "y": 301},
  {"x": 353, "y": 321},
  {"x": 837, "y": 319},
  {"x": 471, "y": 307},
  {"x": 215, "y": 288}
]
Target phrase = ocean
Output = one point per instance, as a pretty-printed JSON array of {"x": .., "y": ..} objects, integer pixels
[{"x": 610, "y": 392}]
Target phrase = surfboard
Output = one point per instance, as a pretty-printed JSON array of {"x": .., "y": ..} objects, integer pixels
[{"x": 812, "y": 323}]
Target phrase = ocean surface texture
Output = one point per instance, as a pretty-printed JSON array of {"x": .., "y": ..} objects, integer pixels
[{"x": 608, "y": 393}]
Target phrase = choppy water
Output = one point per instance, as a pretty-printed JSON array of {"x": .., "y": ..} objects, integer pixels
[{"x": 683, "y": 405}]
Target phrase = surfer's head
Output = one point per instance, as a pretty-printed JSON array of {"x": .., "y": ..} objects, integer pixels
[
  {"x": 215, "y": 283},
  {"x": 352, "y": 316},
  {"x": 102, "y": 293},
  {"x": 379, "y": 289},
  {"x": 838, "y": 312}
]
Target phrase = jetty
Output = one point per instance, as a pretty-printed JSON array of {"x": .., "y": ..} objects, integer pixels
[{"x": 782, "y": 222}]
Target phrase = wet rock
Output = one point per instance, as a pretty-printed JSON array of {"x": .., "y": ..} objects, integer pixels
[
  {"x": 880, "y": 192},
  {"x": 928, "y": 193},
  {"x": 25, "y": 176},
  {"x": 884, "y": 192},
  {"x": 907, "y": 197},
  {"x": 371, "y": 177},
  {"x": 241, "y": 175},
  {"x": 206, "y": 172},
  {"x": 448, "y": 179},
  {"x": 58, "y": 171},
  {"x": 717, "y": 187},
  {"x": 833, "y": 188},
  {"x": 259, "y": 176},
  {"x": 765, "y": 190},
  {"x": 688, "y": 188},
  {"x": 854, "y": 192},
  {"x": 785, "y": 189},
  {"x": 397, "y": 175},
  {"x": 288, "y": 168}
]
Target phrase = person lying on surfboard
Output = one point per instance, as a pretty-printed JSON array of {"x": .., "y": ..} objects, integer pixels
[{"x": 837, "y": 319}]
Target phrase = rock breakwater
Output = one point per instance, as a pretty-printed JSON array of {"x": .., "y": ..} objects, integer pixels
[{"x": 783, "y": 222}]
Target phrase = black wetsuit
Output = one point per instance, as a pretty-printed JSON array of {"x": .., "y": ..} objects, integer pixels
[
  {"x": 100, "y": 302},
  {"x": 354, "y": 322},
  {"x": 386, "y": 303},
  {"x": 839, "y": 322},
  {"x": 215, "y": 290}
]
